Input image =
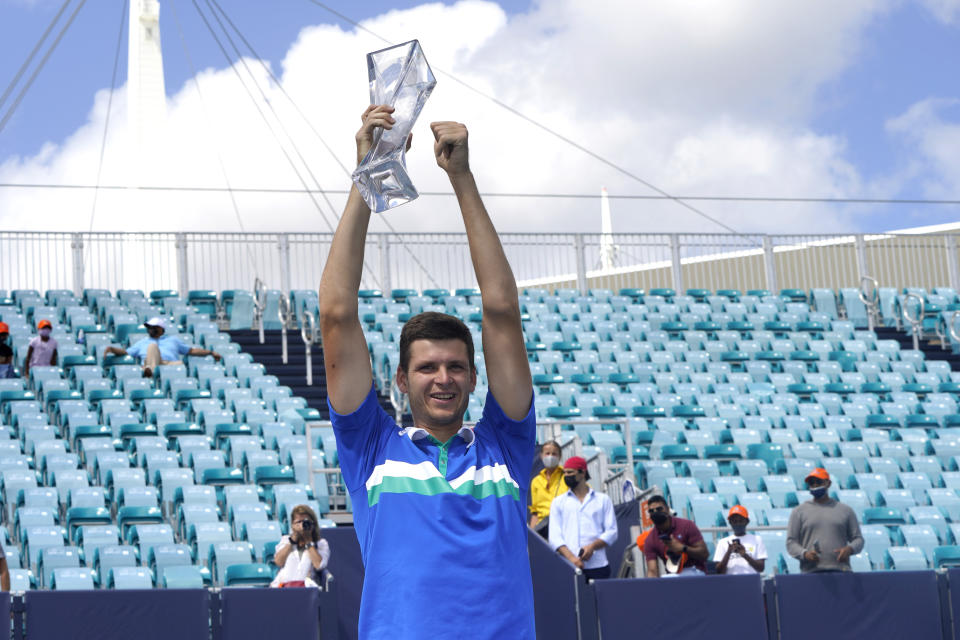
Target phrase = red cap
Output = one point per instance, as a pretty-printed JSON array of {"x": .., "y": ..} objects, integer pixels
[
  {"x": 738, "y": 510},
  {"x": 576, "y": 462},
  {"x": 44, "y": 323},
  {"x": 4, "y": 327},
  {"x": 820, "y": 473}
]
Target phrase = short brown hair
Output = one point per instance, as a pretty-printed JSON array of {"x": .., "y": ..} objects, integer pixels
[
  {"x": 431, "y": 325},
  {"x": 305, "y": 510}
]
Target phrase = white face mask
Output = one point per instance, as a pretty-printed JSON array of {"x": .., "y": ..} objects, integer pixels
[{"x": 550, "y": 462}]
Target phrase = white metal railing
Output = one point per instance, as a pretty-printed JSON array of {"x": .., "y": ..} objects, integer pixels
[
  {"x": 916, "y": 323},
  {"x": 283, "y": 315},
  {"x": 310, "y": 336},
  {"x": 870, "y": 297},
  {"x": 219, "y": 261}
]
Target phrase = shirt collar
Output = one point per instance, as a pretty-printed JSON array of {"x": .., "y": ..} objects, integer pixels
[{"x": 419, "y": 433}]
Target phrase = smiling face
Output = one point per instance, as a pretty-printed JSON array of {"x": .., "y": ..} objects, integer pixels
[{"x": 438, "y": 381}]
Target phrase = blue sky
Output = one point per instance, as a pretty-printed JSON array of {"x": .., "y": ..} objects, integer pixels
[
  {"x": 732, "y": 98},
  {"x": 60, "y": 98}
]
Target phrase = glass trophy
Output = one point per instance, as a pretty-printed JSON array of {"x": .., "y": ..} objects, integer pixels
[{"x": 399, "y": 77}]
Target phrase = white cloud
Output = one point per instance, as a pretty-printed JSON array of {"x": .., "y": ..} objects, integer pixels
[
  {"x": 947, "y": 11},
  {"x": 709, "y": 97},
  {"x": 930, "y": 132}
]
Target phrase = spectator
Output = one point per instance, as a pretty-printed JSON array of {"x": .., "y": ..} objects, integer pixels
[
  {"x": 741, "y": 553},
  {"x": 582, "y": 522},
  {"x": 4, "y": 571},
  {"x": 303, "y": 555},
  {"x": 159, "y": 348},
  {"x": 545, "y": 486},
  {"x": 823, "y": 533},
  {"x": 6, "y": 353},
  {"x": 42, "y": 351},
  {"x": 676, "y": 541},
  {"x": 440, "y": 508}
]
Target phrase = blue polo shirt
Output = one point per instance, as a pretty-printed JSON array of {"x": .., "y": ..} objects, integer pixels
[
  {"x": 171, "y": 348},
  {"x": 442, "y": 526}
]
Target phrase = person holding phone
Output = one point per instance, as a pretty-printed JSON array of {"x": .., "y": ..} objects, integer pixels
[
  {"x": 303, "y": 554},
  {"x": 742, "y": 552},
  {"x": 677, "y": 542}
]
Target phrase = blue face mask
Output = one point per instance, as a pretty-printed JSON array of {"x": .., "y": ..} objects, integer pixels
[{"x": 818, "y": 492}]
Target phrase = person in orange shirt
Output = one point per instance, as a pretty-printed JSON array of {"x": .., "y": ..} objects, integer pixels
[{"x": 546, "y": 485}]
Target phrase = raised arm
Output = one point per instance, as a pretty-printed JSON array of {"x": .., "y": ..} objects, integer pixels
[
  {"x": 508, "y": 370},
  {"x": 345, "y": 354}
]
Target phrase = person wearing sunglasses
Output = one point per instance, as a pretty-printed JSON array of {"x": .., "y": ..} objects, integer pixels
[
  {"x": 675, "y": 541},
  {"x": 823, "y": 533},
  {"x": 303, "y": 555}
]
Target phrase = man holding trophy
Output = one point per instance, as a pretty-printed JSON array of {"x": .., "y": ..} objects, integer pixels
[{"x": 439, "y": 507}]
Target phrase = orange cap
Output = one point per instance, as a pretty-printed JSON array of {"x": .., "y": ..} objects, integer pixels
[
  {"x": 820, "y": 473},
  {"x": 738, "y": 510},
  {"x": 44, "y": 323},
  {"x": 4, "y": 327}
]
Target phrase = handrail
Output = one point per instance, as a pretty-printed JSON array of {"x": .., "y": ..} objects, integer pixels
[
  {"x": 259, "y": 301},
  {"x": 952, "y": 327},
  {"x": 398, "y": 400},
  {"x": 283, "y": 314},
  {"x": 308, "y": 331},
  {"x": 870, "y": 300},
  {"x": 915, "y": 323}
]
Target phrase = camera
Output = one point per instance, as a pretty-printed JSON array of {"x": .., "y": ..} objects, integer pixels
[
  {"x": 735, "y": 541},
  {"x": 306, "y": 524}
]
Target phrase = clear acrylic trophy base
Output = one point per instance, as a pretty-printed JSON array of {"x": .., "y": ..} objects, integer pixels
[{"x": 385, "y": 183}]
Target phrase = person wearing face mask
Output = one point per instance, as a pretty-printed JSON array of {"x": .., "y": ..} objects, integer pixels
[
  {"x": 741, "y": 553},
  {"x": 6, "y": 353},
  {"x": 582, "y": 522},
  {"x": 159, "y": 348},
  {"x": 42, "y": 351},
  {"x": 676, "y": 541},
  {"x": 823, "y": 533},
  {"x": 546, "y": 485}
]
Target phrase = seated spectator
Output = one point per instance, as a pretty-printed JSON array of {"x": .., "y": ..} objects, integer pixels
[
  {"x": 42, "y": 351},
  {"x": 303, "y": 555},
  {"x": 582, "y": 522},
  {"x": 741, "y": 553},
  {"x": 676, "y": 541},
  {"x": 545, "y": 486},
  {"x": 6, "y": 353},
  {"x": 159, "y": 348}
]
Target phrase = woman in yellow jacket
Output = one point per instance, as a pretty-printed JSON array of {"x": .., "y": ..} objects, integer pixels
[{"x": 546, "y": 485}]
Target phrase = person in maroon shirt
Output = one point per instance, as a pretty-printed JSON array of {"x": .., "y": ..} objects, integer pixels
[{"x": 676, "y": 541}]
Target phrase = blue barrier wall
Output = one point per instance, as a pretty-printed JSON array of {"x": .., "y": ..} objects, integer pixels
[
  {"x": 252, "y": 614},
  {"x": 695, "y": 607},
  {"x": 156, "y": 614},
  {"x": 346, "y": 565},
  {"x": 554, "y": 591},
  {"x": 903, "y": 604}
]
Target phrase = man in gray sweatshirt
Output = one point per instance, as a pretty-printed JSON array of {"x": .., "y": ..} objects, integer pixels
[{"x": 823, "y": 533}]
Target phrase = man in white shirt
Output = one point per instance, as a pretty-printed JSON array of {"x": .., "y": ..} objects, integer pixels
[
  {"x": 582, "y": 523},
  {"x": 742, "y": 553}
]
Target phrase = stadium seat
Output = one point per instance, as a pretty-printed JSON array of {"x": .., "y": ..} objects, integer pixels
[{"x": 248, "y": 575}]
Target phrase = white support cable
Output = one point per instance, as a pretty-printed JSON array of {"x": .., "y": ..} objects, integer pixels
[
  {"x": 528, "y": 119},
  {"x": 106, "y": 123},
  {"x": 266, "y": 99},
  {"x": 43, "y": 62},
  {"x": 206, "y": 114},
  {"x": 262, "y": 115},
  {"x": 450, "y": 194},
  {"x": 309, "y": 124},
  {"x": 33, "y": 53}
]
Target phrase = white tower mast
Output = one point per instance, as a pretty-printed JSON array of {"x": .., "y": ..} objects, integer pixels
[
  {"x": 608, "y": 250},
  {"x": 146, "y": 95}
]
